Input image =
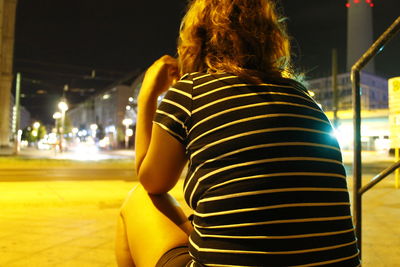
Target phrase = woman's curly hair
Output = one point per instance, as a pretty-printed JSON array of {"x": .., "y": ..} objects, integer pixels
[{"x": 244, "y": 37}]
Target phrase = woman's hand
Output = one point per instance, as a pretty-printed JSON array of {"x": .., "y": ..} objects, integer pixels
[{"x": 160, "y": 76}]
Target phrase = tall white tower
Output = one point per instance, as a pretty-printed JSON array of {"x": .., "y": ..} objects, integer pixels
[{"x": 359, "y": 31}]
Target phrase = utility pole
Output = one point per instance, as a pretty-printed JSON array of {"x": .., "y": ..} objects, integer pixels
[
  {"x": 17, "y": 109},
  {"x": 335, "y": 88},
  {"x": 7, "y": 26}
]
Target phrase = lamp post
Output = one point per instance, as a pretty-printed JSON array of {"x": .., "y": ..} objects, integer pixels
[
  {"x": 17, "y": 115},
  {"x": 63, "y": 106},
  {"x": 128, "y": 132},
  {"x": 56, "y": 116},
  {"x": 35, "y": 131},
  {"x": 93, "y": 129},
  {"x": 75, "y": 132}
]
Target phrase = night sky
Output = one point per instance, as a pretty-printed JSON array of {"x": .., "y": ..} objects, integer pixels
[{"x": 61, "y": 42}]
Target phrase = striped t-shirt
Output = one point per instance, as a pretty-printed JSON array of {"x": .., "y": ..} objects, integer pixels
[{"x": 265, "y": 178}]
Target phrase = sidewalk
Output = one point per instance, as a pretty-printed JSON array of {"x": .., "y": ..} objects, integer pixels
[
  {"x": 368, "y": 156},
  {"x": 72, "y": 223},
  {"x": 68, "y": 223}
]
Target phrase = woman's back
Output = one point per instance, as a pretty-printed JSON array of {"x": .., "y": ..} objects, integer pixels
[
  {"x": 265, "y": 178},
  {"x": 265, "y": 181}
]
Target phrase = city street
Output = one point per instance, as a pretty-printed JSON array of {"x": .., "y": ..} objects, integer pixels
[
  {"x": 63, "y": 212},
  {"x": 79, "y": 81},
  {"x": 60, "y": 174},
  {"x": 45, "y": 165},
  {"x": 118, "y": 165}
]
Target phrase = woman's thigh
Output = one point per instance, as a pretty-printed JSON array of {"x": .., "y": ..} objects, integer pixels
[{"x": 152, "y": 225}]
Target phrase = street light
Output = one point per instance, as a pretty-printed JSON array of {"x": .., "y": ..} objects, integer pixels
[
  {"x": 127, "y": 122},
  {"x": 36, "y": 125},
  {"x": 63, "y": 106},
  {"x": 35, "y": 131},
  {"x": 56, "y": 116},
  {"x": 75, "y": 131},
  {"x": 93, "y": 128}
]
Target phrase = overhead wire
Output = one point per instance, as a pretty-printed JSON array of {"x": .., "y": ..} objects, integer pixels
[{"x": 69, "y": 66}]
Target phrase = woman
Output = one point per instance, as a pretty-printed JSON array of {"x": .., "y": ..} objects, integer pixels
[{"x": 265, "y": 176}]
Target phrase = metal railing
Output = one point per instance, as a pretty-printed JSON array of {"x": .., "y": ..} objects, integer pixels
[{"x": 358, "y": 190}]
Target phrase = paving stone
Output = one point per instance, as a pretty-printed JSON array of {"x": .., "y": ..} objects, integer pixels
[{"x": 72, "y": 223}]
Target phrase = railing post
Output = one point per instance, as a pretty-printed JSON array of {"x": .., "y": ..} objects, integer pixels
[
  {"x": 396, "y": 174},
  {"x": 357, "y": 183},
  {"x": 355, "y": 82}
]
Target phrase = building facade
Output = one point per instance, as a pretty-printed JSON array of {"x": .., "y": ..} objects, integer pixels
[
  {"x": 24, "y": 116},
  {"x": 374, "y": 92},
  {"x": 374, "y": 106},
  {"x": 106, "y": 111},
  {"x": 375, "y": 134},
  {"x": 394, "y": 111}
]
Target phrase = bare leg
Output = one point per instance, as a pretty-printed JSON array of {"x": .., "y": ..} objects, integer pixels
[
  {"x": 150, "y": 225},
  {"x": 122, "y": 251}
]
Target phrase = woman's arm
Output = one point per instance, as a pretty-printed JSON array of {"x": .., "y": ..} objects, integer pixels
[
  {"x": 158, "y": 78},
  {"x": 160, "y": 158},
  {"x": 163, "y": 163}
]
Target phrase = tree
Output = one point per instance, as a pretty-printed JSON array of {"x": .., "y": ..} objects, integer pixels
[
  {"x": 41, "y": 133},
  {"x": 26, "y": 134},
  {"x": 67, "y": 124},
  {"x": 100, "y": 133},
  {"x": 120, "y": 135}
]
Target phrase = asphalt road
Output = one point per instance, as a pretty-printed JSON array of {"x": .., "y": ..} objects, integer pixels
[
  {"x": 369, "y": 169},
  {"x": 64, "y": 174},
  {"x": 118, "y": 169}
]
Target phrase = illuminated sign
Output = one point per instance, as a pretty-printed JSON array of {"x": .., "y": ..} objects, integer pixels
[{"x": 394, "y": 111}]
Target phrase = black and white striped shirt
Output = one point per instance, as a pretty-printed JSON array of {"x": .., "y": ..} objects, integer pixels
[{"x": 265, "y": 181}]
